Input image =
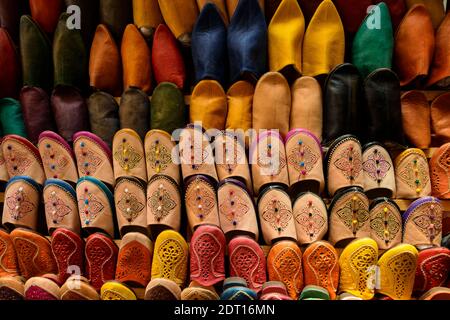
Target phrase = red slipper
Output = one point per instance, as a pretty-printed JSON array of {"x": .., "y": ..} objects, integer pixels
[
  {"x": 247, "y": 261},
  {"x": 101, "y": 259},
  {"x": 41, "y": 289},
  {"x": 207, "y": 251},
  {"x": 68, "y": 250},
  {"x": 433, "y": 267}
]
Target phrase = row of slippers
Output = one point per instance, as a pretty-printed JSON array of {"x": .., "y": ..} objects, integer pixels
[{"x": 359, "y": 270}]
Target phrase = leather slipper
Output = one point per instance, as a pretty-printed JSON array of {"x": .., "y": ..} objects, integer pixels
[
  {"x": 78, "y": 288},
  {"x": 113, "y": 290},
  {"x": 163, "y": 290},
  {"x": 40, "y": 289},
  {"x": 68, "y": 250},
  {"x": 11, "y": 289}
]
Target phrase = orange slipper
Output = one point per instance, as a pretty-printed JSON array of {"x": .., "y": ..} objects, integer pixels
[{"x": 8, "y": 258}]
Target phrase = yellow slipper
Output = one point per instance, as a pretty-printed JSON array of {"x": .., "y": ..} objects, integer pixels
[
  {"x": 170, "y": 258},
  {"x": 397, "y": 272},
  {"x": 358, "y": 264},
  {"x": 116, "y": 291}
]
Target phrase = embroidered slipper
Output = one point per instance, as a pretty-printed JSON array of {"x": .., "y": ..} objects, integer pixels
[
  {"x": 194, "y": 293},
  {"x": 358, "y": 262},
  {"x": 432, "y": 270},
  {"x": 311, "y": 218},
  {"x": 385, "y": 223},
  {"x": 113, "y": 290},
  {"x": 235, "y": 289},
  {"x": 22, "y": 199},
  {"x": 247, "y": 261},
  {"x": 437, "y": 294},
  {"x": 95, "y": 206},
  {"x": 101, "y": 259},
  {"x": 170, "y": 258},
  {"x": 128, "y": 155},
  {"x": 207, "y": 256},
  {"x": 68, "y": 250},
  {"x": 134, "y": 261},
  {"x": 163, "y": 290},
  {"x": 34, "y": 253},
  {"x": 439, "y": 170},
  {"x": 78, "y": 288},
  {"x": 4, "y": 175},
  {"x": 237, "y": 209},
  {"x": 94, "y": 157},
  {"x": 8, "y": 258},
  {"x": 321, "y": 267},
  {"x": 61, "y": 206},
  {"x": 274, "y": 290},
  {"x": 11, "y": 289},
  {"x": 315, "y": 293},
  {"x": 284, "y": 263},
  {"x": 398, "y": 270},
  {"x": 412, "y": 175},
  {"x": 41, "y": 288},
  {"x": 130, "y": 202}
]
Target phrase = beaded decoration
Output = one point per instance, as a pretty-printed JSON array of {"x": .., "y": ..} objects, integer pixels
[
  {"x": 89, "y": 161},
  {"x": 161, "y": 203},
  {"x": 277, "y": 214},
  {"x": 377, "y": 166},
  {"x": 349, "y": 162},
  {"x": 234, "y": 208},
  {"x": 303, "y": 159},
  {"x": 17, "y": 162},
  {"x": 311, "y": 220},
  {"x": 230, "y": 158},
  {"x": 55, "y": 162},
  {"x": 57, "y": 208},
  {"x": 19, "y": 205},
  {"x": 385, "y": 224},
  {"x": 415, "y": 175},
  {"x": 200, "y": 198},
  {"x": 159, "y": 157},
  {"x": 127, "y": 157},
  {"x": 354, "y": 214},
  {"x": 429, "y": 223},
  {"x": 90, "y": 207},
  {"x": 129, "y": 206},
  {"x": 196, "y": 156},
  {"x": 266, "y": 161}
]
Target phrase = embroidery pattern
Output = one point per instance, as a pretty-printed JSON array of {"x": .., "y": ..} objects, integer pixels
[
  {"x": 56, "y": 207},
  {"x": 386, "y": 225},
  {"x": 376, "y": 166},
  {"x": 88, "y": 160},
  {"x": 247, "y": 264},
  {"x": 303, "y": 159},
  {"x": 17, "y": 162},
  {"x": 415, "y": 175},
  {"x": 53, "y": 161},
  {"x": 428, "y": 222},
  {"x": 127, "y": 156},
  {"x": 161, "y": 203},
  {"x": 200, "y": 199},
  {"x": 361, "y": 262},
  {"x": 354, "y": 214},
  {"x": 129, "y": 206},
  {"x": 435, "y": 271},
  {"x": 311, "y": 220},
  {"x": 349, "y": 162},
  {"x": 322, "y": 261},
  {"x": 207, "y": 261},
  {"x": 90, "y": 207},
  {"x": 172, "y": 257},
  {"x": 19, "y": 205},
  {"x": 159, "y": 157},
  {"x": 403, "y": 268},
  {"x": 288, "y": 266},
  {"x": 277, "y": 214},
  {"x": 234, "y": 208},
  {"x": 196, "y": 156},
  {"x": 230, "y": 164}
]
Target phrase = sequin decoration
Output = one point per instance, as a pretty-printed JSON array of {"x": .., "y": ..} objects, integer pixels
[
  {"x": 161, "y": 203},
  {"x": 354, "y": 214},
  {"x": 429, "y": 222},
  {"x": 277, "y": 214},
  {"x": 349, "y": 163},
  {"x": 129, "y": 206},
  {"x": 19, "y": 205},
  {"x": 311, "y": 220},
  {"x": 385, "y": 224},
  {"x": 376, "y": 166},
  {"x": 234, "y": 208},
  {"x": 90, "y": 207},
  {"x": 88, "y": 160},
  {"x": 159, "y": 157},
  {"x": 127, "y": 157},
  {"x": 415, "y": 175},
  {"x": 200, "y": 199},
  {"x": 303, "y": 159},
  {"x": 56, "y": 207},
  {"x": 17, "y": 162}
]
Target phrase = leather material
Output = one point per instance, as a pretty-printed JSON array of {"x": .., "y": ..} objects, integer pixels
[
  {"x": 9, "y": 63},
  {"x": 10, "y": 11},
  {"x": 68, "y": 249},
  {"x": 46, "y": 13},
  {"x": 307, "y": 107},
  {"x": 180, "y": 16},
  {"x": 134, "y": 111},
  {"x": 167, "y": 60},
  {"x": 247, "y": 41},
  {"x": 286, "y": 31},
  {"x": 209, "y": 46},
  {"x": 432, "y": 270},
  {"x": 439, "y": 167},
  {"x": 11, "y": 117},
  {"x": 134, "y": 260},
  {"x": 198, "y": 293},
  {"x": 309, "y": 7},
  {"x": 416, "y": 116},
  {"x": 105, "y": 68},
  {"x": 240, "y": 105},
  {"x": 305, "y": 162},
  {"x": 232, "y": 5},
  {"x": 130, "y": 201},
  {"x": 311, "y": 218},
  {"x": 162, "y": 290},
  {"x": 416, "y": 31},
  {"x": 282, "y": 255},
  {"x": 397, "y": 9},
  {"x": 93, "y": 157},
  {"x": 353, "y": 12},
  {"x": 324, "y": 42},
  {"x": 22, "y": 158},
  {"x": 70, "y": 58},
  {"x": 128, "y": 155},
  {"x": 412, "y": 175},
  {"x": 4, "y": 175},
  {"x": 384, "y": 114},
  {"x": 57, "y": 157},
  {"x": 116, "y": 15},
  {"x": 379, "y": 175},
  {"x": 237, "y": 209},
  {"x": 161, "y": 155},
  {"x": 322, "y": 272},
  {"x": 116, "y": 291},
  {"x": 34, "y": 253},
  {"x": 136, "y": 60},
  {"x": 147, "y": 16},
  {"x": 36, "y": 53},
  {"x": 70, "y": 111},
  {"x": 36, "y": 112},
  {"x": 61, "y": 206},
  {"x": 89, "y": 18},
  {"x": 274, "y": 290},
  {"x": 8, "y": 262},
  {"x": 103, "y": 116},
  {"x": 422, "y": 223},
  {"x": 209, "y": 105},
  {"x": 373, "y": 46},
  {"x": 168, "y": 108},
  {"x": 440, "y": 68},
  {"x": 76, "y": 289},
  {"x": 272, "y": 103},
  {"x": 220, "y": 5},
  {"x": 439, "y": 119},
  {"x": 207, "y": 256},
  {"x": 344, "y": 164},
  {"x": 315, "y": 293},
  {"x": 434, "y": 7},
  {"x": 41, "y": 289},
  {"x": 386, "y": 223},
  {"x": 343, "y": 98},
  {"x": 95, "y": 206}
]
